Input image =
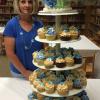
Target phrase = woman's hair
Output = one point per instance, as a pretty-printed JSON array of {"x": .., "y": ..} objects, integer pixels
[{"x": 17, "y": 10}]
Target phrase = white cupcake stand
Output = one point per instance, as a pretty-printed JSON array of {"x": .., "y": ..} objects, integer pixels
[{"x": 58, "y": 43}]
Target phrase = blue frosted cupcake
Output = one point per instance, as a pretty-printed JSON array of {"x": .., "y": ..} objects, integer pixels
[
  {"x": 49, "y": 63},
  {"x": 49, "y": 87},
  {"x": 40, "y": 58},
  {"x": 77, "y": 58},
  {"x": 40, "y": 87},
  {"x": 51, "y": 34},
  {"x": 41, "y": 75},
  {"x": 60, "y": 62},
  {"x": 77, "y": 84}
]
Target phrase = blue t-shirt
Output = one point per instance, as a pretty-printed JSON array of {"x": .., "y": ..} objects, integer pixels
[{"x": 25, "y": 43}]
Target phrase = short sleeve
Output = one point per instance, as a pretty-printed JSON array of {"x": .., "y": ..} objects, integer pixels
[
  {"x": 39, "y": 24},
  {"x": 9, "y": 29}
]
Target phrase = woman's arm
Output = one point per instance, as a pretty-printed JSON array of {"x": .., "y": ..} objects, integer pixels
[{"x": 10, "y": 46}]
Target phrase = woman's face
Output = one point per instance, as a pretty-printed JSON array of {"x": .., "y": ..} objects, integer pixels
[{"x": 26, "y": 6}]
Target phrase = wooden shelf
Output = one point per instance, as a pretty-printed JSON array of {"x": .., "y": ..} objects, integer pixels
[
  {"x": 4, "y": 20},
  {"x": 97, "y": 25},
  {"x": 78, "y": 7},
  {"x": 91, "y": 30},
  {"x": 95, "y": 15},
  {"x": 8, "y": 14},
  {"x": 6, "y": 6}
]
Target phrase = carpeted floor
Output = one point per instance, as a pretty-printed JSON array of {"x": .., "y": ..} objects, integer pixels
[{"x": 4, "y": 67}]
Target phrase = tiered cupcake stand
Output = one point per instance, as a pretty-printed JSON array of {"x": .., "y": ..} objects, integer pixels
[{"x": 58, "y": 43}]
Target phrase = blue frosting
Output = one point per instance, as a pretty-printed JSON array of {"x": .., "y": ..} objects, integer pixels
[
  {"x": 51, "y": 31},
  {"x": 50, "y": 59},
  {"x": 66, "y": 73},
  {"x": 40, "y": 56},
  {"x": 59, "y": 79},
  {"x": 50, "y": 3},
  {"x": 77, "y": 83},
  {"x": 77, "y": 56},
  {"x": 41, "y": 76}
]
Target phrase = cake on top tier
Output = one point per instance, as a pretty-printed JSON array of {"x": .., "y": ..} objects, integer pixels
[{"x": 56, "y": 5}]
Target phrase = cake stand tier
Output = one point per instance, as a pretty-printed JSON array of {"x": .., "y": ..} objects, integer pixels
[
  {"x": 70, "y": 93},
  {"x": 69, "y": 12},
  {"x": 56, "y": 41},
  {"x": 59, "y": 69}
]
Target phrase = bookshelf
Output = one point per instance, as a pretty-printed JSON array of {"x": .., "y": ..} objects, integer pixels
[
  {"x": 6, "y": 11},
  {"x": 94, "y": 24}
]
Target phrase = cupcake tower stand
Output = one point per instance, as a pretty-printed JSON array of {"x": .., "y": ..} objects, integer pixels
[{"x": 58, "y": 42}]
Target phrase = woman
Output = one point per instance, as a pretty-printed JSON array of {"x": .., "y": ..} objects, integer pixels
[{"x": 19, "y": 36}]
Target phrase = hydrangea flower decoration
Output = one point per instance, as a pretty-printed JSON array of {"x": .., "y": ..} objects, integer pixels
[{"x": 50, "y": 3}]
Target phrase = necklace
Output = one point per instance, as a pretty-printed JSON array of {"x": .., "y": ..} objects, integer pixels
[{"x": 27, "y": 40}]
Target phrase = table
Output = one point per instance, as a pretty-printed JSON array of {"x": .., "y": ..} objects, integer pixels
[
  {"x": 82, "y": 44},
  {"x": 18, "y": 89}
]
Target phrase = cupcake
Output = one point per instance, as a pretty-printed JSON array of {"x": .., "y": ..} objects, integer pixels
[
  {"x": 72, "y": 28},
  {"x": 70, "y": 84},
  {"x": 77, "y": 58},
  {"x": 40, "y": 58},
  {"x": 33, "y": 76},
  {"x": 70, "y": 77},
  {"x": 40, "y": 87},
  {"x": 51, "y": 34},
  {"x": 41, "y": 75},
  {"x": 60, "y": 62},
  {"x": 70, "y": 51},
  {"x": 59, "y": 79},
  {"x": 41, "y": 33},
  {"x": 49, "y": 63},
  {"x": 81, "y": 72},
  {"x": 69, "y": 60},
  {"x": 51, "y": 77},
  {"x": 36, "y": 82},
  {"x": 65, "y": 36},
  {"x": 40, "y": 97},
  {"x": 77, "y": 84},
  {"x": 34, "y": 54},
  {"x": 49, "y": 87},
  {"x": 62, "y": 89},
  {"x": 74, "y": 32},
  {"x": 83, "y": 81},
  {"x": 64, "y": 51},
  {"x": 74, "y": 35},
  {"x": 50, "y": 53}
]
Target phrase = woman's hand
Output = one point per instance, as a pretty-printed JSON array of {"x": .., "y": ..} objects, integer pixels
[{"x": 27, "y": 74}]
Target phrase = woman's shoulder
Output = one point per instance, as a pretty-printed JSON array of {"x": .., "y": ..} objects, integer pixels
[{"x": 13, "y": 21}]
